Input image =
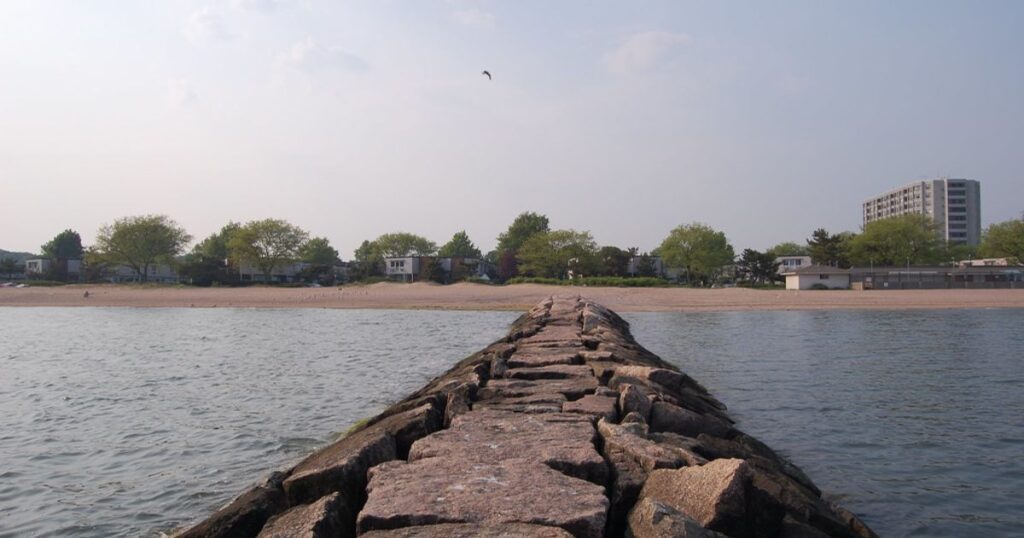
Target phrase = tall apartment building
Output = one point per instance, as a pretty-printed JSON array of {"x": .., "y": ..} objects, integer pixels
[{"x": 953, "y": 204}]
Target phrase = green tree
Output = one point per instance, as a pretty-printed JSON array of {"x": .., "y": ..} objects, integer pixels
[
  {"x": 698, "y": 249},
  {"x": 400, "y": 244},
  {"x": 9, "y": 266},
  {"x": 1004, "y": 240},
  {"x": 267, "y": 244},
  {"x": 459, "y": 247},
  {"x": 318, "y": 251},
  {"x": 758, "y": 267},
  {"x": 549, "y": 254},
  {"x": 828, "y": 249},
  {"x": 522, "y": 228},
  {"x": 613, "y": 261},
  {"x": 367, "y": 261},
  {"x": 899, "y": 240},
  {"x": 140, "y": 242},
  {"x": 216, "y": 245},
  {"x": 788, "y": 248},
  {"x": 66, "y": 245}
]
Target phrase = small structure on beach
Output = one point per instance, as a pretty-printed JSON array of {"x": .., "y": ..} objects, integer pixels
[{"x": 817, "y": 277}]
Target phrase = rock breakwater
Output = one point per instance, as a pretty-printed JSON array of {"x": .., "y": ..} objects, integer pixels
[{"x": 566, "y": 427}]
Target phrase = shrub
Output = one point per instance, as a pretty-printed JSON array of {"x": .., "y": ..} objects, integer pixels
[
  {"x": 595, "y": 281},
  {"x": 819, "y": 286}
]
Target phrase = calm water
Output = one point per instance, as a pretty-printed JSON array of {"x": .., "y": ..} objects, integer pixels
[{"x": 126, "y": 422}]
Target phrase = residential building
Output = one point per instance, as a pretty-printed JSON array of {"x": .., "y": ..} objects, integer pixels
[
  {"x": 40, "y": 267},
  {"x": 416, "y": 268},
  {"x": 791, "y": 263},
  {"x": 962, "y": 277},
  {"x": 954, "y": 205}
]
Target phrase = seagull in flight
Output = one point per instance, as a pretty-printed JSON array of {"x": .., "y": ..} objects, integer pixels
[{"x": 488, "y": 73}]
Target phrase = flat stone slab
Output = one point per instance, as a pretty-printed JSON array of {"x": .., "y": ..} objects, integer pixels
[
  {"x": 543, "y": 357},
  {"x": 595, "y": 406},
  {"x": 448, "y": 490},
  {"x": 537, "y": 403},
  {"x": 560, "y": 334},
  {"x": 557, "y": 371},
  {"x": 322, "y": 519},
  {"x": 472, "y": 530},
  {"x": 561, "y": 441},
  {"x": 573, "y": 389}
]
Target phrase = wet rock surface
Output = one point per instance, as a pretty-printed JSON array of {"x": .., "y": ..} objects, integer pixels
[{"x": 566, "y": 427}]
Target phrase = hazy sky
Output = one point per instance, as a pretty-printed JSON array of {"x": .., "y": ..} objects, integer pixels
[{"x": 351, "y": 119}]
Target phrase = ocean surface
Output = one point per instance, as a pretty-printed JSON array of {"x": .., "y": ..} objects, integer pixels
[{"x": 131, "y": 422}]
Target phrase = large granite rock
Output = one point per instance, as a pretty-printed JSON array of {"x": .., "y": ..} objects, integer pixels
[
  {"x": 714, "y": 495},
  {"x": 653, "y": 519},
  {"x": 534, "y": 357},
  {"x": 447, "y": 490},
  {"x": 561, "y": 441},
  {"x": 472, "y": 530},
  {"x": 632, "y": 400},
  {"x": 595, "y": 406},
  {"x": 557, "y": 371},
  {"x": 666, "y": 417},
  {"x": 573, "y": 388},
  {"x": 322, "y": 519},
  {"x": 631, "y": 440}
]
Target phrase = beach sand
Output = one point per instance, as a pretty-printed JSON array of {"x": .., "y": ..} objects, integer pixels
[{"x": 466, "y": 296}]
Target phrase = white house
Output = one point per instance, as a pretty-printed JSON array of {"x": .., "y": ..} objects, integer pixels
[
  {"x": 406, "y": 268},
  {"x": 805, "y": 278},
  {"x": 41, "y": 266},
  {"x": 788, "y": 264},
  {"x": 157, "y": 272}
]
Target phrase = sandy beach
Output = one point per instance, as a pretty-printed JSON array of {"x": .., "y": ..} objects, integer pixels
[{"x": 518, "y": 297}]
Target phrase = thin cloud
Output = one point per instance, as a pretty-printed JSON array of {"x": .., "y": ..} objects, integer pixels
[
  {"x": 181, "y": 93},
  {"x": 265, "y": 6},
  {"x": 643, "y": 51},
  {"x": 473, "y": 17},
  {"x": 205, "y": 24},
  {"x": 309, "y": 55}
]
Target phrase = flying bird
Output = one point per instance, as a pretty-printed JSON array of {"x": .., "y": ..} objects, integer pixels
[{"x": 488, "y": 73}]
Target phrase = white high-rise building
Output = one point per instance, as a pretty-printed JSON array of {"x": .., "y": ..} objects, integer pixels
[{"x": 953, "y": 204}]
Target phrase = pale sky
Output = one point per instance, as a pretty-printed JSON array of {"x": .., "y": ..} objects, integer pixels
[{"x": 765, "y": 120}]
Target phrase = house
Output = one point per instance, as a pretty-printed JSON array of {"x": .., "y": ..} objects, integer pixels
[
  {"x": 406, "y": 268},
  {"x": 985, "y": 262},
  {"x": 292, "y": 272},
  {"x": 157, "y": 272},
  {"x": 41, "y": 267},
  {"x": 816, "y": 276},
  {"x": 788, "y": 264},
  {"x": 961, "y": 277},
  {"x": 417, "y": 268}
]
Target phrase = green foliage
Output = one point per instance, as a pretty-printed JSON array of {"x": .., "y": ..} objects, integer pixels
[
  {"x": 828, "y": 249},
  {"x": 139, "y": 242},
  {"x": 459, "y": 247},
  {"x": 216, "y": 245},
  {"x": 788, "y": 248},
  {"x": 1004, "y": 240},
  {"x": 318, "y": 251},
  {"x": 553, "y": 254},
  {"x": 522, "y": 228},
  {"x": 9, "y": 266},
  {"x": 758, "y": 267},
  {"x": 435, "y": 271},
  {"x": 400, "y": 244},
  {"x": 698, "y": 249},
  {"x": 613, "y": 261},
  {"x": 819, "y": 286},
  {"x": 899, "y": 240},
  {"x": 267, "y": 244},
  {"x": 66, "y": 245}
]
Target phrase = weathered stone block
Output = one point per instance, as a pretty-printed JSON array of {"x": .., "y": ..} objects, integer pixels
[
  {"x": 538, "y": 403},
  {"x": 447, "y": 490},
  {"x": 632, "y": 400},
  {"x": 322, "y": 519},
  {"x": 714, "y": 495},
  {"x": 631, "y": 440},
  {"x": 472, "y": 530},
  {"x": 562, "y": 441},
  {"x": 653, "y": 519},
  {"x": 573, "y": 388},
  {"x": 595, "y": 406},
  {"x": 558, "y": 371},
  {"x": 666, "y": 417},
  {"x": 533, "y": 357}
]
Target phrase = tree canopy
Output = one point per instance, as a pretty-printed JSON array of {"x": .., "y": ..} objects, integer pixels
[
  {"x": 318, "y": 251},
  {"x": 698, "y": 249},
  {"x": 139, "y": 242},
  {"x": 552, "y": 254},
  {"x": 459, "y": 247},
  {"x": 898, "y": 240},
  {"x": 758, "y": 267},
  {"x": 613, "y": 261},
  {"x": 267, "y": 244},
  {"x": 216, "y": 245},
  {"x": 66, "y": 245},
  {"x": 399, "y": 244},
  {"x": 788, "y": 248},
  {"x": 522, "y": 228},
  {"x": 830, "y": 249},
  {"x": 1004, "y": 240}
]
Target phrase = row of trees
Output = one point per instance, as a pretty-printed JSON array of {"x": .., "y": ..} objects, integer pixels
[{"x": 528, "y": 247}]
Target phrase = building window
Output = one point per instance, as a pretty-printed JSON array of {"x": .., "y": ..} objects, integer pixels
[{"x": 822, "y": 277}]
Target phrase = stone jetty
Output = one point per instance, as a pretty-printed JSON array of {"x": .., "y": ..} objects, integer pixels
[{"x": 566, "y": 427}]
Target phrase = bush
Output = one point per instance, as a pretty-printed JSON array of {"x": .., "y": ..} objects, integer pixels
[{"x": 819, "y": 286}]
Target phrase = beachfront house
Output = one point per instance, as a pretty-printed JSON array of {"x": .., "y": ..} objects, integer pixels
[
  {"x": 418, "y": 268},
  {"x": 788, "y": 264},
  {"x": 915, "y": 277},
  {"x": 45, "y": 267},
  {"x": 817, "y": 277}
]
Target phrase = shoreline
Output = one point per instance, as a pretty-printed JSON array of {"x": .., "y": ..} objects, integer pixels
[{"x": 519, "y": 297}]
